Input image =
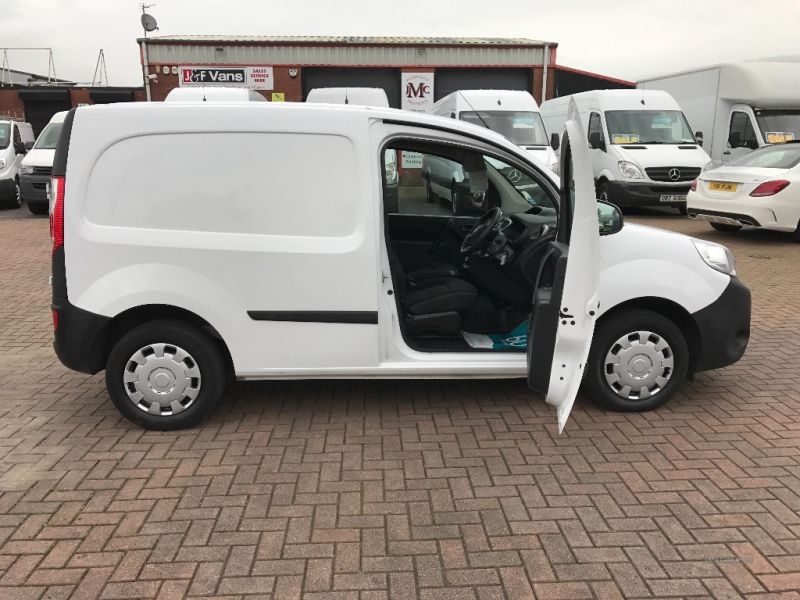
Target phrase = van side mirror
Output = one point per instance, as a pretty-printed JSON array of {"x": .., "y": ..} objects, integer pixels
[
  {"x": 555, "y": 141},
  {"x": 698, "y": 135},
  {"x": 609, "y": 218},
  {"x": 734, "y": 139},
  {"x": 19, "y": 148},
  {"x": 596, "y": 141}
]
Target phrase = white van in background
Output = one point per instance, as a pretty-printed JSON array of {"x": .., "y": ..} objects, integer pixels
[
  {"x": 360, "y": 96},
  {"x": 511, "y": 113},
  {"x": 738, "y": 107},
  {"x": 214, "y": 94},
  {"x": 37, "y": 165},
  {"x": 643, "y": 151},
  {"x": 16, "y": 138}
]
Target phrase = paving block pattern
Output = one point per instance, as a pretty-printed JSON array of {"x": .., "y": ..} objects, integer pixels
[{"x": 402, "y": 490}]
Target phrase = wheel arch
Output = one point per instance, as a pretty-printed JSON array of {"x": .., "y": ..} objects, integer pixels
[
  {"x": 139, "y": 315},
  {"x": 672, "y": 311}
]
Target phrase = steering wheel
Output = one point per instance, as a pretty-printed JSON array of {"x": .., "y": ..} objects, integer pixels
[{"x": 480, "y": 233}]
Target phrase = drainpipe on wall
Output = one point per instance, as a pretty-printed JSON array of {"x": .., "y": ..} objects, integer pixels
[
  {"x": 146, "y": 70},
  {"x": 544, "y": 71}
]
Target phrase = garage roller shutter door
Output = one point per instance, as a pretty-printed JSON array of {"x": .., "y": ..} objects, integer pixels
[
  {"x": 448, "y": 81},
  {"x": 41, "y": 105},
  {"x": 320, "y": 77}
]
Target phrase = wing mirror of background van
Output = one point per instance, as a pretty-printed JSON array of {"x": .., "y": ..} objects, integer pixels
[
  {"x": 19, "y": 148},
  {"x": 734, "y": 138},
  {"x": 609, "y": 218},
  {"x": 698, "y": 135},
  {"x": 596, "y": 141},
  {"x": 555, "y": 141}
]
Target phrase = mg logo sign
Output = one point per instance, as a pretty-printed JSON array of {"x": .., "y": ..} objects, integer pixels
[{"x": 417, "y": 92}]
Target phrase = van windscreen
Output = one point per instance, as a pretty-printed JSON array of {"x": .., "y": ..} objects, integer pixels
[
  {"x": 524, "y": 128},
  {"x": 48, "y": 139},
  {"x": 5, "y": 135},
  {"x": 648, "y": 127}
]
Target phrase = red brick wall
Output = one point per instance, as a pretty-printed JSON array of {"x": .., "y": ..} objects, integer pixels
[{"x": 10, "y": 104}]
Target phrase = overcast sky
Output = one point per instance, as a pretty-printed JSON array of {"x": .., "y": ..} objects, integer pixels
[{"x": 630, "y": 39}]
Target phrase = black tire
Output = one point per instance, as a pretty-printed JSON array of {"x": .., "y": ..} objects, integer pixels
[
  {"x": 612, "y": 328},
  {"x": 430, "y": 196},
  {"x": 38, "y": 208},
  {"x": 604, "y": 192},
  {"x": 683, "y": 210},
  {"x": 204, "y": 352},
  {"x": 15, "y": 200},
  {"x": 796, "y": 234},
  {"x": 725, "y": 227}
]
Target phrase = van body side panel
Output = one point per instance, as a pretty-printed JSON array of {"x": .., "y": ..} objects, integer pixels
[{"x": 224, "y": 213}]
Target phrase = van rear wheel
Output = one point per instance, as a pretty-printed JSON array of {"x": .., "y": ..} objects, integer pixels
[
  {"x": 165, "y": 375},
  {"x": 639, "y": 360}
]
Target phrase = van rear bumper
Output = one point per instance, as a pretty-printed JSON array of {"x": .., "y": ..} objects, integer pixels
[
  {"x": 724, "y": 327},
  {"x": 645, "y": 194},
  {"x": 80, "y": 337}
]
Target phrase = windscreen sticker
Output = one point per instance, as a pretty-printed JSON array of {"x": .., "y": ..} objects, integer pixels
[
  {"x": 523, "y": 122},
  {"x": 779, "y": 137},
  {"x": 625, "y": 138},
  {"x": 662, "y": 122}
]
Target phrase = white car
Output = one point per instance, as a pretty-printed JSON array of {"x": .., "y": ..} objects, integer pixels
[
  {"x": 760, "y": 189},
  {"x": 174, "y": 278}
]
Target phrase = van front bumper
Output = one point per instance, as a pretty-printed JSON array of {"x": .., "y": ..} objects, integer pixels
[
  {"x": 625, "y": 194},
  {"x": 34, "y": 188},
  {"x": 724, "y": 328}
]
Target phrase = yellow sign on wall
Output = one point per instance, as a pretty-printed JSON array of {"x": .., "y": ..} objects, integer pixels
[{"x": 278, "y": 97}]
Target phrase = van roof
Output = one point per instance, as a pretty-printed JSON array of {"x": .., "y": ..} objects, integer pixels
[
  {"x": 493, "y": 99},
  {"x": 213, "y": 94},
  {"x": 364, "y": 96},
  {"x": 636, "y": 99},
  {"x": 301, "y": 110}
]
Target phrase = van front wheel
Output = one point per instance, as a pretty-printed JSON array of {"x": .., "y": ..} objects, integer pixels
[
  {"x": 165, "y": 375},
  {"x": 639, "y": 360}
]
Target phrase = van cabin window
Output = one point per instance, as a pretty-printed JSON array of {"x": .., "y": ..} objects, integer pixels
[
  {"x": 455, "y": 182},
  {"x": 48, "y": 139},
  {"x": 742, "y": 134},
  {"x": 627, "y": 127},
  {"x": 5, "y": 135},
  {"x": 524, "y": 128}
]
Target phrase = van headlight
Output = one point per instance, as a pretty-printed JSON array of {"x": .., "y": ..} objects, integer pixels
[
  {"x": 2, "y": 163},
  {"x": 708, "y": 166},
  {"x": 630, "y": 170},
  {"x": 26, "y": 169},
  {"x": 716, "y": 256},
  {"x": 391, "y": 173},
  {"x": 554, "y": 167}
]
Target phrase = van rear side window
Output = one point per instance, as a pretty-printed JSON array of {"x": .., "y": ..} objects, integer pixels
[{"x": 250, "y": 183}]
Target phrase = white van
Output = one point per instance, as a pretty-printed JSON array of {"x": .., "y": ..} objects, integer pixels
[
  {"x": 214, "y": 94},
  {"x": 16, "y": 138},
  {"x": 37, "y": 165},
  {"x": 511, "y": 113},
  {"x": 360, "y": 96},
  {"x": 643, "y": 151},
  {"x": 173, "y": 281},
  {"x": 738, "y": 107}
]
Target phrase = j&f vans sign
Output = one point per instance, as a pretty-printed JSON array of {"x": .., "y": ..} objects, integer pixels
[{"x": 254, "y": 78}]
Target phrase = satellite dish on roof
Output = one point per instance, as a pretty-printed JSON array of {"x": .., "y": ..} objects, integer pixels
[{"x": 149, "y": 22}]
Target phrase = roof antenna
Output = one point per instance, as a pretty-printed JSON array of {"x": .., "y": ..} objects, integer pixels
[{"x": 346, "y": 99}]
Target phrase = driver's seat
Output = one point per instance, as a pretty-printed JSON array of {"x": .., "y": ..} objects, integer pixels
[{"x": 435, "y": 305}]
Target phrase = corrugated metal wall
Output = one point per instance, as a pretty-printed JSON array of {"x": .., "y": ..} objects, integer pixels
[{"x": 189, "y": 54}]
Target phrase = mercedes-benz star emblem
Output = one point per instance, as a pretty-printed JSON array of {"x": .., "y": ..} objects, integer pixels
[
  {"x": 674, "y": 174},
  {"x": 514, "y": 176}
]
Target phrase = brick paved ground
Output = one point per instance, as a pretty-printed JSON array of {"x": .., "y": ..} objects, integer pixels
[{"x": 431, "y": 490}]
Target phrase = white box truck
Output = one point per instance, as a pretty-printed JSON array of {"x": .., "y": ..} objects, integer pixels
[
  {"x": 643, "y": 150},
  {"x": 737, "y": 107}
]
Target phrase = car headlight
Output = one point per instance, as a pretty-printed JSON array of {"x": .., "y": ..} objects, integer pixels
[
  {"x": 716, "y": 256},
  {"x": 630, "y": 170},
  {"x": 26, "y": 170},
  {"x": 2, "y": 163}
]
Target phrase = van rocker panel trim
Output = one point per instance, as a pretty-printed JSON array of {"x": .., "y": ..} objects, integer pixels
[{"x": 359, "y": 317}]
